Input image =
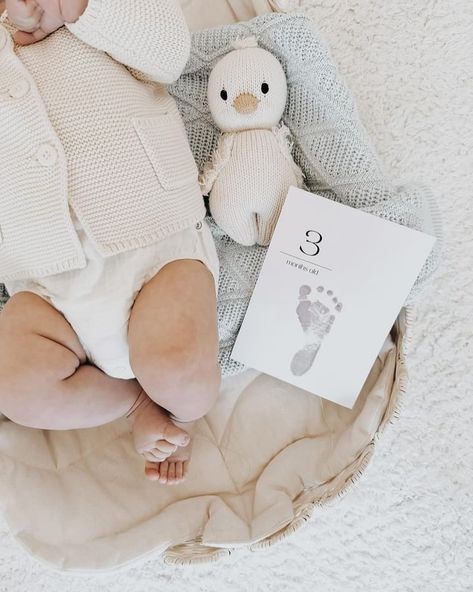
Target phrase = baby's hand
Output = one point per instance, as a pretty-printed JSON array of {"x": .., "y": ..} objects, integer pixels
[{"x": 36, "y": 19}]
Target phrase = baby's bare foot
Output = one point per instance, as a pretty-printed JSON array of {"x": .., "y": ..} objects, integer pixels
[
  {"x": 174, "y": 469},
  {"x": 155, "y": 436}
]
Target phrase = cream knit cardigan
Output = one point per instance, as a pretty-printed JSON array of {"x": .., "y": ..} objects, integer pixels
[{"x": 83, "y": 125}]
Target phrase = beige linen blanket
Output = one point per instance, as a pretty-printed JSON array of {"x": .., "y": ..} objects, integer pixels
[{"x": 264, "y": 458}]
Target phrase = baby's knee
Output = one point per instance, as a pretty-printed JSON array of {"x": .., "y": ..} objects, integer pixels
[
  {"x": 201, "y": 386},
  {"x": 26, "y": 395},
  {"x": 31, "y": 372},
  {"x": 177, "y": 368},
  {"x": 185, "y": 381},
  {"x": 15, "y": 388},
  {"x": 12, "y": 404}
]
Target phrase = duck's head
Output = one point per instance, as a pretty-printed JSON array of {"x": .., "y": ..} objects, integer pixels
[{"x": 247, "y": 89}]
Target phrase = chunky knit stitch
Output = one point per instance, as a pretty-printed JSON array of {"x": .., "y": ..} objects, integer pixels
[
  {"x": 79, "y": 129},
  {"x": 330, "y": 145},
  {"x": 249, "y": 192},
  {"x": 252, "y": 168}
]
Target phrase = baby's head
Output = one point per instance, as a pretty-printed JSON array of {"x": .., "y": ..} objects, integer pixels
[{"x": 247, "y": 89}]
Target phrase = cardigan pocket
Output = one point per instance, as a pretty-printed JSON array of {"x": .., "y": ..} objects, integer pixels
[{"x": 165, "y": 142}]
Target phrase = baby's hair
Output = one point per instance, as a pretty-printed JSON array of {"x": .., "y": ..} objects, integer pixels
[{"x": 245, "y": 43}]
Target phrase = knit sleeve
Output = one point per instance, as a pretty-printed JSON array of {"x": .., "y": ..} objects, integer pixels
[{"x": 147, "y": 35}]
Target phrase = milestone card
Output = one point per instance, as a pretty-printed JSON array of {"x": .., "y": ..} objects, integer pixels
[{"x": 332, "y": 284}]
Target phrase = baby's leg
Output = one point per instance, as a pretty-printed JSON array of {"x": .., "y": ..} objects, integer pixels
[
  {"x": 44, "y": 379},
  {"x": 173, "y": 343}
]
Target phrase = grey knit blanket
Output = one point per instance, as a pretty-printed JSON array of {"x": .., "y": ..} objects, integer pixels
[{"x": 330, "y": 145}]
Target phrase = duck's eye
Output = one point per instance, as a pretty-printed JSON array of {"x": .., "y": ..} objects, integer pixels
[
  {"x": 265, "y": 88},
  {"x": 224, "y": 95}
]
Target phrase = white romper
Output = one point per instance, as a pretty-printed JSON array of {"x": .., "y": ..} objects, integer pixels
[{"x": 97, "y": 299}]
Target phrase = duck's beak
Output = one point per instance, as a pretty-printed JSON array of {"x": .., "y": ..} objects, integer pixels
[{"x": 246, "y": 103}]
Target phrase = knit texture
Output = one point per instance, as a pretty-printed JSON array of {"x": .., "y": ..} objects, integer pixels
[
  {"x": 252, "y": 167},
  {"x": 78, "y": 128},
  {"x": 255, "y": 172},
  {"x": 147, "y": 35},
  {"x": 330, "y": 145},
  {"x": 33, "y": 176}
]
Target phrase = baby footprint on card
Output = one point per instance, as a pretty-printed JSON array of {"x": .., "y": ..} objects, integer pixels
[{"x": 316, "y": 317}]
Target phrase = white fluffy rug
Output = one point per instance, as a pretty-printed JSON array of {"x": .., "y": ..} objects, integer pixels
[{"x": 408, "y": 525}]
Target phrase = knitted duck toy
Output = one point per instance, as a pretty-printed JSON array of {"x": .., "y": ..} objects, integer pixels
[{"x": 252, "y": 168}]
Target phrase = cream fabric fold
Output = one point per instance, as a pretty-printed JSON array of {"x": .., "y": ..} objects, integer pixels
[
  {"x": 224, "y": 12},
  {"x": 264, "y": 459}
]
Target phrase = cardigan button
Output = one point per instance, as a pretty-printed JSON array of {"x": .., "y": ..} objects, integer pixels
[
  {"x": 19, "y": 89},
  {"x": 3, "y": 37},
  {"x": 46, "y": 155}
]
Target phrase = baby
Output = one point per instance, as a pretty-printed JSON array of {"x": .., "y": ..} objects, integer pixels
[{"x": 104, "y": 250}]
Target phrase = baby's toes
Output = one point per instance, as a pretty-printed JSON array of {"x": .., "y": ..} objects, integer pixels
[
  {"x": 172, "y": 473},
  {"x": 179, "y": 471},
  {"x": 152, "y": 470},
  {"x": 185, "y": 469},
  {"x": 166, "y": 447},
  {"x": 175, "y": 435},
  {"x": 155, "y": 455},
  {"x": 163, "y": 471}
]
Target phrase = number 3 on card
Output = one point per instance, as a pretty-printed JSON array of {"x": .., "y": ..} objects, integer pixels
[{"x": 314, "y": 238}]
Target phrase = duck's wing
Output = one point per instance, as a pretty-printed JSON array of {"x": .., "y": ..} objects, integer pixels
[
  {"x": 220, "y": 158},
  {"x": 285, "y": 142}
]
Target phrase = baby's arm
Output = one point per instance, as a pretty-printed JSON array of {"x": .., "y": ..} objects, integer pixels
[{"x": 148, "y": 35}]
